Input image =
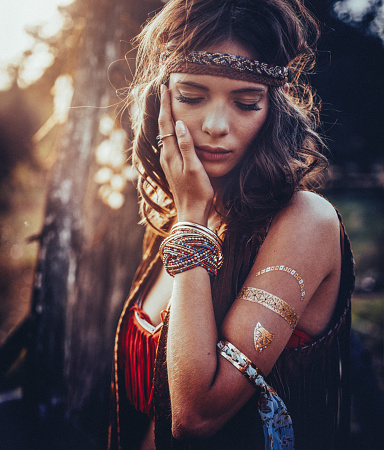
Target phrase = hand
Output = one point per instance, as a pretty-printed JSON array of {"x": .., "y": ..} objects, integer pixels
[{"x": 190, "y": 185}]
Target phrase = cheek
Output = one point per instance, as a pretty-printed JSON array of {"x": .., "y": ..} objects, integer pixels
[
  {"x": 251, "y": 129},
  {"x": 180, "y": 111},
  {"x": 261, "y": 121}
]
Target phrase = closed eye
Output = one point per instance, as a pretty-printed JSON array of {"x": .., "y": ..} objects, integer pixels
[
  {"x": 248, "y": 106},
  {"x": 190, "y": 100}
]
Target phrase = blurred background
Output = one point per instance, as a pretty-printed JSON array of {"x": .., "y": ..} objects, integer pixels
[{"x": 67, "y": 199}]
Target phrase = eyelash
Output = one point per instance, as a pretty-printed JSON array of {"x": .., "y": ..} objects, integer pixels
[
  {"x": 248, "y": 106},
  {"x": 192, "y": 101},
  {"x": 243, "y": 106}
]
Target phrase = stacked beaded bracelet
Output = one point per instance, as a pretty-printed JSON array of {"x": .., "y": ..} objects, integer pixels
[{"x": 190, "y": 245}]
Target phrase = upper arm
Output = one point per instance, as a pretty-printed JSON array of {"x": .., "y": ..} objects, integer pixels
[{"x": 305, "y": 238}]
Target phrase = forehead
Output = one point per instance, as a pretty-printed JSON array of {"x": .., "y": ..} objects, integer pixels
[
  {"x": 229, "y": 47},
  {"x": 214, "y": 83}
]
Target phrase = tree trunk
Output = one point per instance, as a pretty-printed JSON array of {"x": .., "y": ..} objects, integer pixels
[{"x": 88, "y": 252}]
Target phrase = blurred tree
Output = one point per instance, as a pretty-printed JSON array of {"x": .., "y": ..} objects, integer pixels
[
  {"x": 88, "y": 252},
  {"x": 16, "y": 130}
]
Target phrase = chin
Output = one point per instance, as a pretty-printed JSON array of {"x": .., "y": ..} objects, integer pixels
[{"x": 216, "y": 172}]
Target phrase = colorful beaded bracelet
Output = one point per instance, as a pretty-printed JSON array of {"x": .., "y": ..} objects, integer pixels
[{"x": 190, "y": 245}]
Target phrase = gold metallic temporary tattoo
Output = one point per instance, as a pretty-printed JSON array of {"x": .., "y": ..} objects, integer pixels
[
  {"x": 288, "y": 270},
  {"x": 271, "y": 302},
  {"x": 262, "y": 338}
]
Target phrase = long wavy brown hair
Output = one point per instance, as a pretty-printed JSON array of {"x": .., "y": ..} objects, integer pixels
[{"x": 286, "y": 154}]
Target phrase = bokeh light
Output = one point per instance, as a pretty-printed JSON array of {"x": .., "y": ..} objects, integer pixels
[
  {"x": 115, "y": 171},
  {"x": 355, "y": 12},
  {"x": 17, "y": 18}
]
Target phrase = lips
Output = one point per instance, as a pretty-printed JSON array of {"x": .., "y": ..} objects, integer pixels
[{"x": 207, "y": 153}]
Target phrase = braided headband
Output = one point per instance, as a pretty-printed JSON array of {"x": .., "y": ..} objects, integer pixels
[{"x": 224, "y": 65}]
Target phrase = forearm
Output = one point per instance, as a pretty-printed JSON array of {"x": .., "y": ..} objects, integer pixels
[{"x": 191, "y": 348}]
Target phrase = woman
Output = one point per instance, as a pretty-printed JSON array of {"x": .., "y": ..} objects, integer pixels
[{"x": 241, "y": 305}]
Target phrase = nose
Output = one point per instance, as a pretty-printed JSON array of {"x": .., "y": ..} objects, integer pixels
[{"x": 216, "y": 121}]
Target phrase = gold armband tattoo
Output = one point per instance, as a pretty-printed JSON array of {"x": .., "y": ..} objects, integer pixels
[
  {"x": 262, "y": 338},
  {"x": 271, "y": 302},
  {"x": 290, "y": 271}
]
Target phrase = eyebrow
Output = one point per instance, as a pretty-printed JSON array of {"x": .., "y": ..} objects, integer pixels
[{"x": 236, "y": 91}]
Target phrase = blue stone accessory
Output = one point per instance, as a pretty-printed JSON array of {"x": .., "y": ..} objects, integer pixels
[{"x": 277, "y": 423}]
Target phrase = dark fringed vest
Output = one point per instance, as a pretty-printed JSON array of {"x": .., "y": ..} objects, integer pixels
[{"x": 313, "y": 381}]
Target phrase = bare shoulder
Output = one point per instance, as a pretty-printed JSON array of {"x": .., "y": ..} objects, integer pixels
[
  {"x": 308, "y": 210},
  {"x": 312, "y": 206},
  {"x": 306, "y": 233}
]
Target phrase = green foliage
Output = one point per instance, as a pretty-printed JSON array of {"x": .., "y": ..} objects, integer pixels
[{"x": 363, "y": 215}]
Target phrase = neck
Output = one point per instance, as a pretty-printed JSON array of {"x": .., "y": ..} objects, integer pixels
[{"x": 217, "y": 184}]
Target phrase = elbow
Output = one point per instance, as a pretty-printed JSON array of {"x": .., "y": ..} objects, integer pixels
[{"x": 191, "y": 426}]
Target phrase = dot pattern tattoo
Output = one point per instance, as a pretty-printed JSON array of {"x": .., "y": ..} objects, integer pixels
[{"x": 288, "y": 270}]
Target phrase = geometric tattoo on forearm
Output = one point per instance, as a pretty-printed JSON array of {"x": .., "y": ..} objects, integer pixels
[
  {"x": 271, "y": 302},
  {"x": 262, "y": 338}
]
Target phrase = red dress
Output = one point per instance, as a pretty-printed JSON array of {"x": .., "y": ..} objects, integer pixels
[{"x": 137, "y": 354}]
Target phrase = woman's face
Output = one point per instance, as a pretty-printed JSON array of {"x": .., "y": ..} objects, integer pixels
[{"x": 222, "y": 115}]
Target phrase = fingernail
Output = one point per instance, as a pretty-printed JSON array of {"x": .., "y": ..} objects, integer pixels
[{"x": 180, "y": 128}]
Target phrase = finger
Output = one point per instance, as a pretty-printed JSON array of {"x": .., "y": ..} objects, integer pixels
[
  {"x": 165, "y": 115},
  {"x": 186, "y": 146}
]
